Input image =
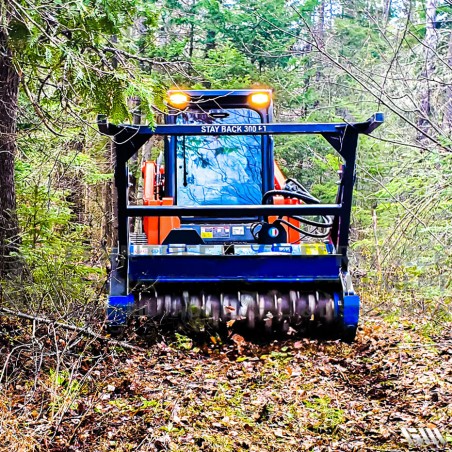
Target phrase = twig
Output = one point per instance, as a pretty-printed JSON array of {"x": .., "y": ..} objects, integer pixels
[{"x": 86, "y": 331}]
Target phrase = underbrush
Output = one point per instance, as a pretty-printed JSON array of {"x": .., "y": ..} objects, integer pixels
[
  {"x": 62, "y": 390},
  {"x": 62, "y": 265},
  {"x": 428, "y": 316}
]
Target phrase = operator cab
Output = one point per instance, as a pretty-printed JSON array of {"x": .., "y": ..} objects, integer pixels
[
  {"x": 218, "y": 170},
  {"x": 222, "y": 169}
]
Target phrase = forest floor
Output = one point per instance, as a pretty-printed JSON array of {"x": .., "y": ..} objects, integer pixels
[{"x": 65, "y": 393}]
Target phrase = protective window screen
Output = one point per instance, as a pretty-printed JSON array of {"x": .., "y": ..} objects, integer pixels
[{"x": 219, "y": 169}]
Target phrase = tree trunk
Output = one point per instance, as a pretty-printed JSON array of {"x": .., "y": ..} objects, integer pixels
[
  {"x": 111, "y": 193},
  {"x": 387, "y": 5},
  {"x": 430, "y": 44},
  {"x": 211, "y": 37},
  {"x": 320, "y": 36},
  {"x": 110, "y": 231},
  {"x": 9, "y": 87},
  {"x": 320, "y": 32},
  {"x": 448, "y": 107},
  {"x": 192, "y": 40}
]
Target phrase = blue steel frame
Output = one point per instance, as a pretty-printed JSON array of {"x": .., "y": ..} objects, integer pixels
[
  {"x": 342, "y": 136},
  {"x": 127, "y": 140}
]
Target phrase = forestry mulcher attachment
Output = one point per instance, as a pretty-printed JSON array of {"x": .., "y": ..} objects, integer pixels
[{"x": 220, "y": 236}]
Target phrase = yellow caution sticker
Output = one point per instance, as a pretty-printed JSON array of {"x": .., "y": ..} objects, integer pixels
[
  {"x": 206, "y": 233},
  {"x": 314, "y": 249}
]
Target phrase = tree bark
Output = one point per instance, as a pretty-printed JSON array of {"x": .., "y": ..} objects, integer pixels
[
  {"x": 320, "y": 35},
  {"x": 9, "y": 88},
  {"x": 321, "y": 24},
  {"x": 111, "y": 193},
  {"x": 448, "y": 107},
  {"x": 211, "y": 37},
  {"x": 110, "y": 231},
  {"x": 192, "y": 40},
  {"x": 430, "y": 44},
  {"x": 386, "y": 12}
]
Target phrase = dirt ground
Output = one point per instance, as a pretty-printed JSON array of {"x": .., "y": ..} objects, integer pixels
[{"x": 64, "y": 393}]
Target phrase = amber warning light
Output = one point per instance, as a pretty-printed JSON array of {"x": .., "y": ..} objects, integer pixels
[
  {"x": 179, "y": 100},
  {"x": 259, "y": 99}
]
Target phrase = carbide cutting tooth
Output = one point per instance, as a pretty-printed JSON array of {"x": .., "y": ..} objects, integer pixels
[
  {"x": 267, "y": 311},
  {"x": 216, "y": 311},
  {"x": 244, "y": 301},
  {"x": 302, "y": 309},
  {"x": 213, "y": 309},
  {"x": 225, "y": 305},
  {"x": 248, "y": 305},
  {"x": 160, "y": 305},
  {"x": 208, "y": 306},
  {"x": 321, "y": 307},
  {"x": 236, "y": 314},
  {"x": 293, "y": 297},
  {"x": 185, "y": 304},
  {"x": 284, "y": 314},
  {"x": 168, "y": 305},
  {"x": 262, "y": 307},
  {"x": 176, "y": 307},
  {"x": 151, "y": 307},
  {"x": 312, "y": 304},
  {"x": 279, "y": 308},
  {"x": 329, "y": 311}
]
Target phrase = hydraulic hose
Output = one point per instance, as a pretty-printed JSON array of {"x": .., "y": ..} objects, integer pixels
[{"x": 301, "y": 193}]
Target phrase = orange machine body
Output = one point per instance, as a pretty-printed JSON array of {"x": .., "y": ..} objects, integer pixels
[
  {"x": 293, "y": 236},
  {"x": 156, "y": 228}
]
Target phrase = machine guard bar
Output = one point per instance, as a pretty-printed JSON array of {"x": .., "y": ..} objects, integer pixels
[
  {"x": 343, "y": 137},
  {"x": 234, "y": 211},
  {"x": 125, "y": 130}
]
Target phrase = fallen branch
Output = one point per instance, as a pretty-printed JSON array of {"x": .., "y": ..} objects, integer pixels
[{"x": 81, "y": 330}]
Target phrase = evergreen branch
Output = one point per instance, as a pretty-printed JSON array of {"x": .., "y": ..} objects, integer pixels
[
  {"x": 141, "y": 59},
  {"x": 38, "y": 111}
]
